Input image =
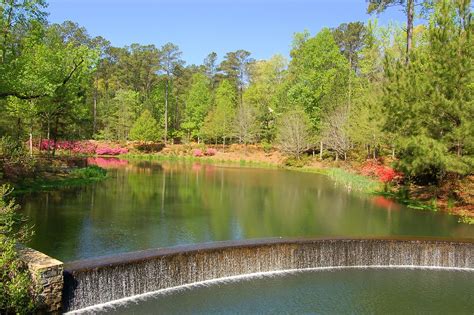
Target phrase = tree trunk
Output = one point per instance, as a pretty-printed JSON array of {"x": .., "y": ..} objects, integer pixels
[
  {"x": 31, "y": 142},
  {"x": 55, "y": 137},
  {"x": 48, "y": 135},
  {"x": 166, "y": 110},
  {"x": 350, "y": 85},
  {"x": 410, "y": 16},
  {"x": 94, "y": 124},
  {"x": 337, "y": 156},
  {"x": 321, "y": 150}
]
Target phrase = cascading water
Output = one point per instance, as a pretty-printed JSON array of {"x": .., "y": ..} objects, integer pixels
[{"x": 101, "y": 280}]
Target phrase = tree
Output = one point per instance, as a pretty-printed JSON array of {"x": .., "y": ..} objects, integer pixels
[
  {"x": 335, "y": 134},
  {"x": 265, "y": 92},
  {"x": 198, "y": 103},
  {"x": 379, "y": 6},
  {"x": 350, "y": 37},
  {"x": 317, "y": 76},
  {"x": 210, "y": 65},
  {"x": 219, "y": 120},
  {"x": 145, "y": 128},
  {"x": 123, "y": 110},
  {"x": 245, "y": 123},
  {"x": 170, "y": 59},
  {"x": 294, "y": 133},
  {"x": 235, "y": 66},
  {"x": 430, "y": 100}
]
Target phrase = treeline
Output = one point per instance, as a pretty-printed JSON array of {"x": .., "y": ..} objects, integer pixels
[{"x": 353, "y": 92}]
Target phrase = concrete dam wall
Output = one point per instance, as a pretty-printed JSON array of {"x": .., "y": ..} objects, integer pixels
[{"x": 101, "y": 280}]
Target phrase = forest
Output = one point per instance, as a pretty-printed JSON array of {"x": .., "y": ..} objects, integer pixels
[
  {"x": 362, "y": 98},
  {"x": 356, "y": 91}
]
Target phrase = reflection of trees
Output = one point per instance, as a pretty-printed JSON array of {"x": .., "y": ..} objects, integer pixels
[{"x": 146, "y": 204}]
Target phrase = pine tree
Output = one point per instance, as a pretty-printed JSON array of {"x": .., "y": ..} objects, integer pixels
[{"x": 429, "y": 101}]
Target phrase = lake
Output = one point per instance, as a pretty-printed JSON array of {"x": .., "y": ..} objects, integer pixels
[{"x": 148, "y": 204}]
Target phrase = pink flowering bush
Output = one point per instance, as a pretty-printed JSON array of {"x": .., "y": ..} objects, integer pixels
[
  {"x": 197, "y": 153},
  {"x": 383, "y": 173},
  {"x": 82, "y": 147},
  {"x": 78, "y": 147},
  {"x": 210, "y": 152}
]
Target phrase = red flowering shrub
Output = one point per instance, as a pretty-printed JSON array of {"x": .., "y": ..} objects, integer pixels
[
  {"x": 210, "y": 152},
  {"x": 383, "y": 173},
  {"x": 197, "y": 153}
]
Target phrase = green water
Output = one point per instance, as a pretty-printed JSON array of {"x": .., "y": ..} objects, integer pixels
[
  {"x": 149, "y": 204},
  {"x": 350, "y": 291}
]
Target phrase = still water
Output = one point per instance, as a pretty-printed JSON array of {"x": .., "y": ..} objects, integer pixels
[
  {"x": 159, "y": 204},
  {"x": 346, "y": 291}
]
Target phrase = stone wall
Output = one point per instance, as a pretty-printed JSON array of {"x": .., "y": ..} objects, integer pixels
[
  {"x": 47, "y": 274},
  {"x": 101, "y": 280}
]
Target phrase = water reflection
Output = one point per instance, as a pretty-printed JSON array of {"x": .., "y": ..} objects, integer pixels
[{"x": 147, "y": 204}]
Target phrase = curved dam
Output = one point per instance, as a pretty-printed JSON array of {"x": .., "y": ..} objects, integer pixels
[{"x": 102, "y": 280}]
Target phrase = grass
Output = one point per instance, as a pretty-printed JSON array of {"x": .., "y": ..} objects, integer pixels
[
  {"x": 76, "y": 177},
  {"x": 354, "y": 181}
]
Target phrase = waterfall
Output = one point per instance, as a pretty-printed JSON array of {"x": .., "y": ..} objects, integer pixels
[{"x": 101, "y": 280}]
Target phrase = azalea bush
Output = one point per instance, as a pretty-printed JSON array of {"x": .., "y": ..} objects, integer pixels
[
  {"x": 81, "y": 147},
  {"x": 198, "y": 153},
  {"x": 383, "y": 173},
  {"x": 77, "y": 147},
  {"x": 210, "y": 152}
]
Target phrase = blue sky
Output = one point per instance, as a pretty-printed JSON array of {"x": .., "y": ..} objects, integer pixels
[{"x": 263, "y": 27}]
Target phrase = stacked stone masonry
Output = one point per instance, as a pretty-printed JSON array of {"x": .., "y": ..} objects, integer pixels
[{"x": 47, "y": 274}]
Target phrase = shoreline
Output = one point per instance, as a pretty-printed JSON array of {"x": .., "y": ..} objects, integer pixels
[{"x": 342, "y": 172}]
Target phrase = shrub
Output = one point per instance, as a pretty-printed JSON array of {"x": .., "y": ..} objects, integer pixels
[
  {"x": 15, "y": 162},
  {"x": 17, "y": 292},
  {"x": 210, "y": 152},
  {"x": 197, "y": 153},
  {"x": 90, "y": 172},
  {"x": 384, "y": 173},
  {"x": 267, "y": 146},
  {"x": 149, "y": 147}
]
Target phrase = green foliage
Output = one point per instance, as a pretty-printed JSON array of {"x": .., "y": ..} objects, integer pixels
[
  {"x": 317, "y": 77},
  {"x": 123, "y": 110},
  {"x": 145, "y": 128},
  {"x": 198, "y": 103},
  {"x": 17, "y": 292},
  {"x": 218, "y": 122},
  {"x": 90, "y": 172},
  {"x": 429, "y": 101}
]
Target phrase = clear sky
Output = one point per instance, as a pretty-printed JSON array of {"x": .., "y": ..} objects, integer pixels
[{"x": 263, "y": 27}]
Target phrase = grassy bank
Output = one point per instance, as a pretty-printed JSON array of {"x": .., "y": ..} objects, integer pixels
[{"x": 51, "y": 181}]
